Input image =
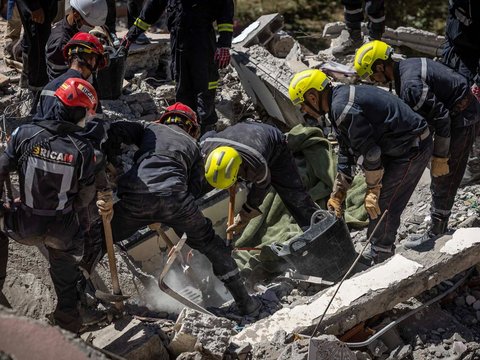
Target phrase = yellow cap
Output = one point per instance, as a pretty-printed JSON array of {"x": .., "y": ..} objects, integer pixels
[
  {"x": 221, "y": 168},
  {"x": 367, "y": 54},
  {"x": 304, "y": 81}
]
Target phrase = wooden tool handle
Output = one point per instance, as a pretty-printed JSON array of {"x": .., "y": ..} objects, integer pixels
[{"x": 111, "y": 259}]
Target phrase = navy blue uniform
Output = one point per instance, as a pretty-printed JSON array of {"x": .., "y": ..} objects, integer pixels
[
  {"x": 375, "y": 10},
  {"x": 55, "y": 167},
  {"x": 266, "y": 161},
  {"x": 193, "y": 47},
  {"x": 35, "y": 37},
  {"x": 444, "y": 98},
  {"x": 61, "y": 33},
  {"x": 376, "y": 129},
  {"x": 161, "y": 187}
]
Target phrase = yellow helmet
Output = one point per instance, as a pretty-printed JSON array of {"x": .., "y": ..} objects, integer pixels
[
  {"x": 367, "y": 54},
  {"x": 304, "y": 81},
  {"x": 221, "y": 168}
]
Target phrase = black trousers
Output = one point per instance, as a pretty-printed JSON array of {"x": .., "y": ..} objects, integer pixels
[
  {"x": 133, "y": 10},
  {"x": 288, "y": 184},
  {"x": 34, "y": 39},
  {"x": 444, "y": 188},
  {"x": 375, "y": 9},
  {"x": 64, "y": 241},
  {"x": 195, "y": 71},
  {"x": 110, "y": 22},
  {"x": 401, "y": 176},
  {"x": 180, "y": 212}
]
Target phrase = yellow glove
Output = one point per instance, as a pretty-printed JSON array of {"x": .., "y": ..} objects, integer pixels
[
  {"x": 105, "y": 204},
  {"x": 243, "y": 218},
  {"x": 335, "y": 203},
  {"x": 373, "y": 178},
  {"x": 439, "y": 166},
  {"x": 371, "y": 202}
]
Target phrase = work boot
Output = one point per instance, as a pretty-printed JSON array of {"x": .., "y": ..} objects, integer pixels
[
  {"x": 4, "y": 301},
  {"x": 437, "y": 229},
  {"x": 350, "y": 41},
  {"x": 376, "y": 255},
  {"x": 470, "y": 177},
  {"x": 247, "y": 304},
  {"x": 142, "y": 39}
]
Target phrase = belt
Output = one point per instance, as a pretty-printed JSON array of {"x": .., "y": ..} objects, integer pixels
[{"x": 41, "y": 212}]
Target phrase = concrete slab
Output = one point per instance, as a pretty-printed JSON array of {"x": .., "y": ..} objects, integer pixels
[
  {"x": 260, "y": 31},
  {"x": 27, "y": 339},
  {"x": 419, "y": 40},
  {"x": 375, "y": 290},
  {"x": 130, "y": 338},
  {"x": 197, "y": 330}
]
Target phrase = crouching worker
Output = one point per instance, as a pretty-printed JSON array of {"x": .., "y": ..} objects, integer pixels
[
  {"x": 55, "y": 168},
  {"x": 257, "y": 153},
  {"x": 379, "y": 131},
  {"x": 161, "y": 187}
]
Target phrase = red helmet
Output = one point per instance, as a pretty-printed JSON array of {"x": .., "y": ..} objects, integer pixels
[
  {"x": 183, "y": 115},
  {"x": 76, "y": 92},
  {"x": 86, "y": 43}
]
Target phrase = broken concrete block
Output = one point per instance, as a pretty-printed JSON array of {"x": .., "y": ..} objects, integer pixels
[
  {"x": 375, "y": 290},
  {"x": 131, "y": 339},
  {"x": 281, "y": 44},
  {"x": 4, "y": 80},
  {"x": 328, "y": 347},
  {"x": 260, "y": 31},
  {"x": 195, "y": 329},
  {"x": 25, "y": 338}
]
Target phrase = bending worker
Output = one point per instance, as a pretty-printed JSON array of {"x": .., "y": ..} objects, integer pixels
[
  {"x": 444, "y": 98},
  {"x": 161, "y": 187},
  {"x": 55, "y": 168},
  {"x": 257, "y": 153},
  {"x": 381, "y": 133}
]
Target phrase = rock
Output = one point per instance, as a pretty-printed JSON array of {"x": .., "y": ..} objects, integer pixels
[
  {"x": 402, "y": 352},
  {"x": 4, "y": 80},
  {"x": 362, "y": 355},
  {"x": 325, "y": 347},
  {"x": 460, "y": 301},
  {"x": 377, "y": 348},
  {"x": 296, "y": 351},
  {"x": 476, "y": 305},
  {"x": 469, "y": 299},
  {"x": 459, "y": 347},
  {"x": 458, "y": 337},
  {"x": 212, "y": 333}
]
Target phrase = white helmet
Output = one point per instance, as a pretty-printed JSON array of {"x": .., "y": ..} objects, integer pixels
[{"x": 94, "y": 12}]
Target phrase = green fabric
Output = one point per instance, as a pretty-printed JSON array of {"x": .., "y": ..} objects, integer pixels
[{"x": 316, "y": 163}]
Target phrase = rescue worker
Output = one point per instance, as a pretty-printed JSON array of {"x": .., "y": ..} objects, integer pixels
[
  {"x": 82, "y": 14},
  {"x": 196, "y": 57},
  {"x": 257, "y": 153},
  {"x": 354, "y": 14},
  {"x": 83, "y": 55},
  {"x": 161, "y": 187},
  {"x": 36, "y": 19},
  {"x": 462, "y": 53},
  {"x": 444, "y": 98},
  {"x": 381, "y": 133},
  {"x": 55, "y": 168}
]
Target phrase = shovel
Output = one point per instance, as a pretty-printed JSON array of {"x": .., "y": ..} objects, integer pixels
[
  {"x": 231, "y": 212},
  {"x": 107, "y": 228}
]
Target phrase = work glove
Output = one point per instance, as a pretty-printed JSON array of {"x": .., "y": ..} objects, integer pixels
[
  {"x": 339, "y": 193},
  {"x": 38, "y": 16},
  {"x": 373, "y": 178},
  {"x": 126, "y": 43},
  {"x": 222, "y": 57},
  {"x": 105, "y": 204},
  {"x": 243, "y": 218},
  {"x": 476, "y": 91},
  {"x": 439, "y": 166}
]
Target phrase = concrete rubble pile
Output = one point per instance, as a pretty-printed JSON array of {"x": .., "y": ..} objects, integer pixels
[{"x": 264, "y": 60}]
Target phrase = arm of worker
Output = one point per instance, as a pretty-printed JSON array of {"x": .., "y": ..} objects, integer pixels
[
  {"x": 87, "y": 189},
  {"x": 35, "y": 8},
  {"x": 56, "y": 63},
  {"x": 151, "y": 12},
  {"x": 423, "y": 101},
  {"x": 343, "y": 180},
  {"x": 196, "y": 176},
  {"x": 225, "y": 33},
  {"x": 125, "y": 132}
]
